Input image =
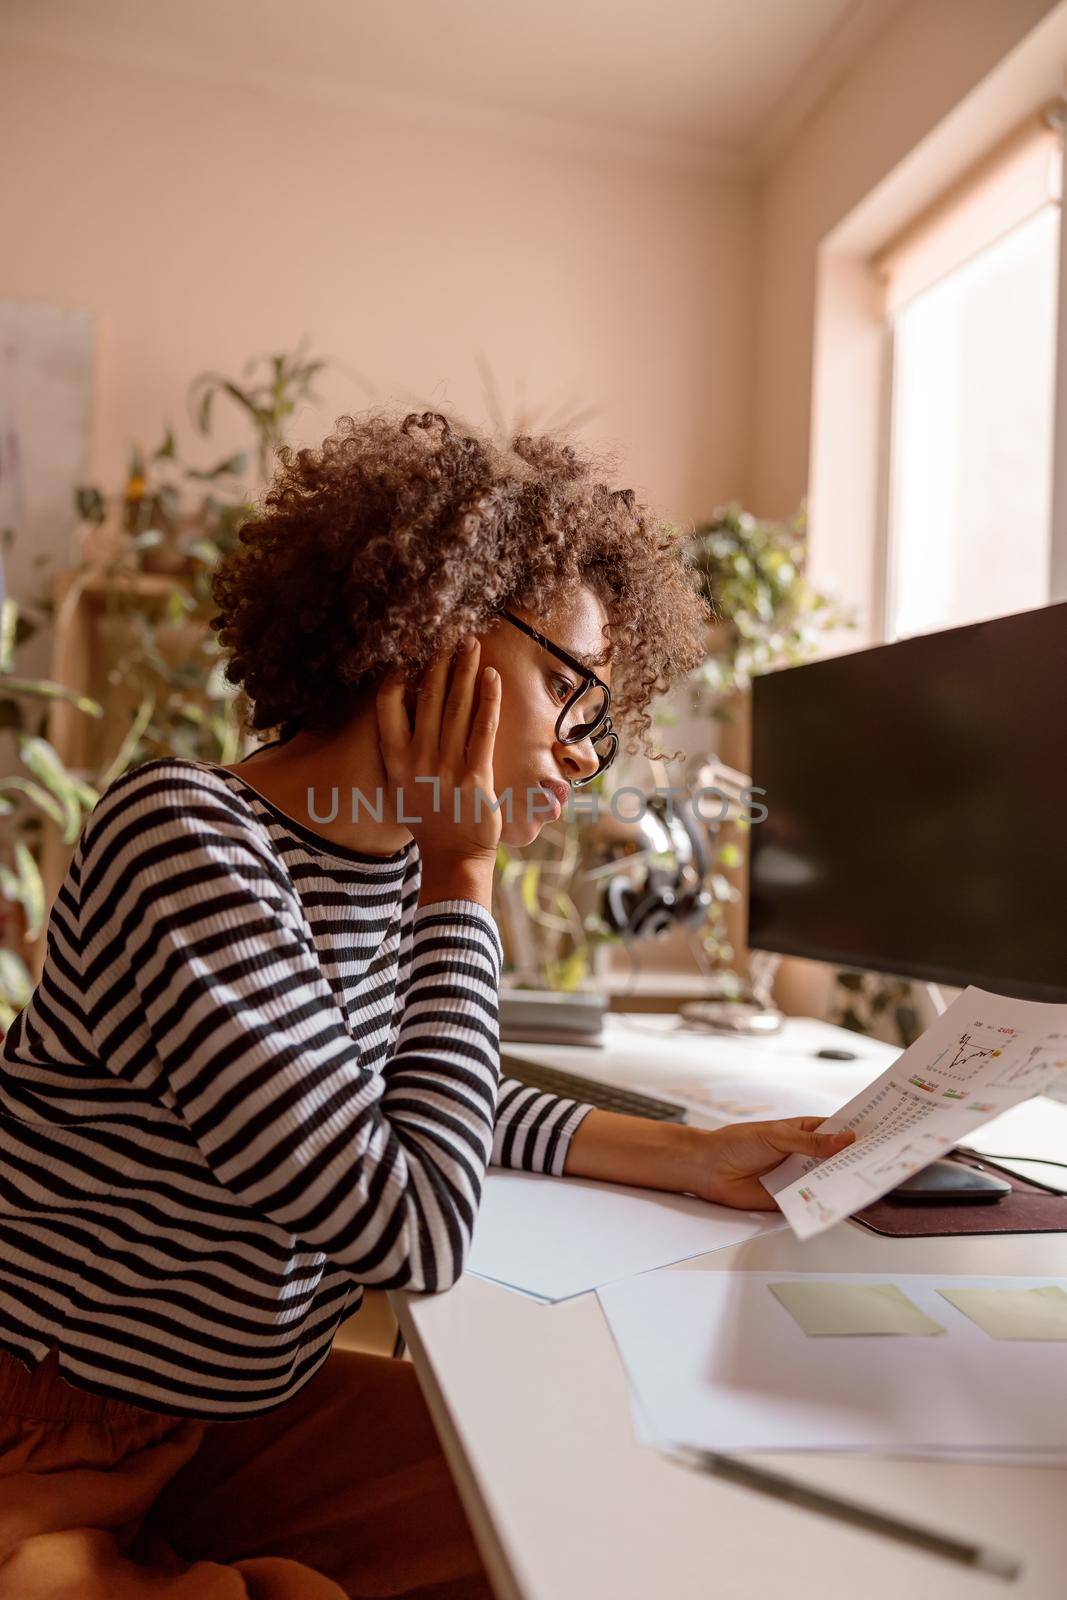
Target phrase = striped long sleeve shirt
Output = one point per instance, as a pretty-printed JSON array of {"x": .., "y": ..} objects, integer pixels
[{"x": 255, "y": 1076}]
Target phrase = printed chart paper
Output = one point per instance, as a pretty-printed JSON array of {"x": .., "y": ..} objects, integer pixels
[
  {"x": 557, "y": 1237},
  {"x": 714, "y": 1360},
  {"x": 982, "y": 1056},
  {"x": 830, "y": 1310}
]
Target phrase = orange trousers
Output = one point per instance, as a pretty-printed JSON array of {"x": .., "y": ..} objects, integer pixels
[{"x": 341, "y": 1492}]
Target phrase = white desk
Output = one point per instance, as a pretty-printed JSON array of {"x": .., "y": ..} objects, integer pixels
[{"x": 532, "y": 1406}]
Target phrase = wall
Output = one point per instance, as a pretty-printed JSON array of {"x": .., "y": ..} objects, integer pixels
[{"x": 204, "y": 224}]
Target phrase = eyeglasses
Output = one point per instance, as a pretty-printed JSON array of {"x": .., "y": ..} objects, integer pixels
[{"x": 584, "y": 714}]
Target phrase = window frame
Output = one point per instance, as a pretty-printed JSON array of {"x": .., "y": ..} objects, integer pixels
[{"x": 884, "y": 566}]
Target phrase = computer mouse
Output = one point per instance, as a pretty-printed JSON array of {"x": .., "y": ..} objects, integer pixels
[{"x": 836, "y": 1055}]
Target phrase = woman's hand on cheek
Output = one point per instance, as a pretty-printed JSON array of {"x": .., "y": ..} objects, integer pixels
[{"x": 726, "y": 1163}]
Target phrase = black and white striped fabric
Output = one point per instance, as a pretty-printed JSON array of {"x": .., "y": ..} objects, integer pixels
[{"x": 255, "y": 1075}]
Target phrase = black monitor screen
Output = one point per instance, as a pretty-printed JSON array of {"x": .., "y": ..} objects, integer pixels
[{"x": 916, "y": 799}]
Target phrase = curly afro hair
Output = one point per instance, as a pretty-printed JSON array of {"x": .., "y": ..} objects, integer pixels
[{"x": 397, "y": 537}]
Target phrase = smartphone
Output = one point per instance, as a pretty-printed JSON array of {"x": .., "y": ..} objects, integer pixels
[{"x": 950, "y": 1183}]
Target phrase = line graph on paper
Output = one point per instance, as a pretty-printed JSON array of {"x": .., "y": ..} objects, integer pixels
[
  {"x": 900, "y": 1163},
  {"x": 965, "y": 1059},
  {"x": 1039, "y": 1066}
]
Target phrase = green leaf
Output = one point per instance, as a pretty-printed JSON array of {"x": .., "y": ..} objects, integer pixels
[
  {"x": 42, "y": 689},
  {"x": 9, "y": 627},
  {"x": 167, "y": 450},
  {"x": 31, "y": 889},
  {"x": 40, "y": 797},
  {"x": 566, "y": 974},
  {"x": 243, "y": 398},
  {"x": 205, "y": 550},
  {"x": 16, "y": 984},
  {"x": 128, "y": 747},
  {"x": 227, "y": 468},
  {"x": 194, "y": 713},
  {"x": 528, "y": 887},
  {"x": 90, "y": 504},
  {"x": 203, "y": 412},
  {"x": 44, "y": 763},
  {"x": 512, "y": 870}
]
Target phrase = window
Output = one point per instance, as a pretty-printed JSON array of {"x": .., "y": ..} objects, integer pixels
[{"x": 971, "y": 303}]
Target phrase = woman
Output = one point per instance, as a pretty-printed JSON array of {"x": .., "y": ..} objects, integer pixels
[{"x": 261, "y": 1067}]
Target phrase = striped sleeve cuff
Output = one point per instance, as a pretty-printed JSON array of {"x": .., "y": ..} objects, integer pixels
[
  {"x": 470, "y": 911},
  {"x": 534, "y": 1130}
]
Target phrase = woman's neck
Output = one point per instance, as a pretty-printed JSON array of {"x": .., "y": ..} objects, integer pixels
[{"x": 316, "y": 776}]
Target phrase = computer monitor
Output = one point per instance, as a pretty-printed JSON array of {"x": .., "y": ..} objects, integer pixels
[{"x": 916, "y": 799}]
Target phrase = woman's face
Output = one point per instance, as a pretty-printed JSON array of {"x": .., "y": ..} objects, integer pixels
[{"x": 534, "y": 685}]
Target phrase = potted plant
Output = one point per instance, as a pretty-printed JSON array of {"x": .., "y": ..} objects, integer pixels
[
  {"x": 151, "y": 550},
  {"x": 172, "y": 523},
  {"x": 44, "y": 790}
]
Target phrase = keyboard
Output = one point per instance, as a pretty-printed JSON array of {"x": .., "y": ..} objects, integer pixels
[{"x": 590, "y": 1091}]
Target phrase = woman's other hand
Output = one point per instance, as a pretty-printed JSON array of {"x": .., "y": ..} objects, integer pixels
[
  {"x": 723, "y": 1165},
  {"x": 727, "y": 1163}
]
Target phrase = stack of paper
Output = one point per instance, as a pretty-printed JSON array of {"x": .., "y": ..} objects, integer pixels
[
  {"x": 942, "y": 1366},
  {"x": 556, "y": 1237}
]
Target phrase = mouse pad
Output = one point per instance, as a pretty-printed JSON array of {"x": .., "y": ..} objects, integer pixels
[{"x": 1028, "y": 1209}]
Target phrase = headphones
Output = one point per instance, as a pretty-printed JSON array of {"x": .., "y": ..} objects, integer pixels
[{"x": 668, "y": 896}]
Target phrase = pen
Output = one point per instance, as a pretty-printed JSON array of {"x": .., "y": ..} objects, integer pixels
[{"x": 780, "y": 1487}]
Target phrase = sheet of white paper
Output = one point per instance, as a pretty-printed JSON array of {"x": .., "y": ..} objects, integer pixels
[
  {"x": 557, "y": 1237},
  {"x": 716, "y": 1362},
  {"x": 983, "y": 1055},
  {"x": 645, "y": 1434},
  {"x": 513, "y": 1288}
]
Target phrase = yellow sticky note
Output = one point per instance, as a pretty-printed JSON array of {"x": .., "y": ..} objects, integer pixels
[
  {"x": 1014, "y": 1313},
  {"x": 823, "y": 1309}
]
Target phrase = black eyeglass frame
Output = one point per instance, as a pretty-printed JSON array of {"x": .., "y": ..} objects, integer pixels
[{"x": 600, "y": 729}]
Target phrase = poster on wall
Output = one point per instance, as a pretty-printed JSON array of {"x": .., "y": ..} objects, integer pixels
[{"x": 46, "y": 357}]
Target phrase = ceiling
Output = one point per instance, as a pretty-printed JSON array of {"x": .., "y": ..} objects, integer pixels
[{"x": 731, "y": 79}]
